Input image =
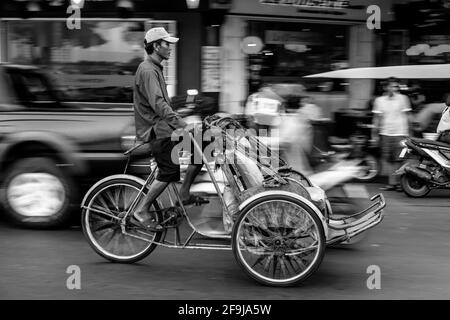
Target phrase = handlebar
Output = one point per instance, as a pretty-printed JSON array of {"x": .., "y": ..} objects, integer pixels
[{"x": 133, "y": 148}]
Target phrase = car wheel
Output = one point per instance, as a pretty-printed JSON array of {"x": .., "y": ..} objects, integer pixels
[{"x": 36, "y": 193}]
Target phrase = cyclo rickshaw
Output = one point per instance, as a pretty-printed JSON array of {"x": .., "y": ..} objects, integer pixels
[{"x": 277, "y": 223}]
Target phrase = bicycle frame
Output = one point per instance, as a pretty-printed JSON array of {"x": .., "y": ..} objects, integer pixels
[{"x": 172, "y": 190}]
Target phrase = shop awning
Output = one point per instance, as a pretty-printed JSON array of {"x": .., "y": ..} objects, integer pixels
[{"x": 431, "y": 71}]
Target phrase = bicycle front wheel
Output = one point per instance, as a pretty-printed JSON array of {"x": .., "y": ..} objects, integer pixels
[{"x": 102, "y": 220}]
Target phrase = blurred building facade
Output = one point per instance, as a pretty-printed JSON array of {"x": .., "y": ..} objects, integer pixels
[
  {"x": 227, "y": 48},
  {"x": 297, "y": 40},
  {"x": 96, "y": 60}
]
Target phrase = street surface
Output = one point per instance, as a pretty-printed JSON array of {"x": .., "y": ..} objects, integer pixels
[{"x": 411, "y": 247}]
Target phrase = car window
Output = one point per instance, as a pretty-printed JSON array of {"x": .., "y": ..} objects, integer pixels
[
  {"x": 7, "y": 90},
  {"x": 37, "y": 87},
  {"x": 31, "y": 87}
]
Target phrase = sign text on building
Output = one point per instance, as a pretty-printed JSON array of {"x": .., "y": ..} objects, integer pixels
[{"x": 334, "y": 4}]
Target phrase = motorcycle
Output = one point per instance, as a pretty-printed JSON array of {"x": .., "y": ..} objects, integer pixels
[
  {"x": 331, "y": 171},
  {"x": 427, "y": 166},
  {"x": 357, "y": 147}
]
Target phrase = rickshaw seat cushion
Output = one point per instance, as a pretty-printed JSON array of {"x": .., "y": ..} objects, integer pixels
[{"x": 249, "y": 170}]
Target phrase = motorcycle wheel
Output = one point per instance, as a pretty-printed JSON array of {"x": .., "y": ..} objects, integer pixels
[
  {"x": 102, "y": 218},
  {"x": 372, "y": 165},
  {"x": 414, "y": 187},
  {"x": 278, "y": 240}
]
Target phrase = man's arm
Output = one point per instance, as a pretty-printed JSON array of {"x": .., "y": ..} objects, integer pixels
[
  {"x": 376, "y": 121},
  {"x": 152, "y": 90}
]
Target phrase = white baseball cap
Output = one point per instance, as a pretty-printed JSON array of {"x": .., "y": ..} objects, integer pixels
[{"x": 159, "y": 33}]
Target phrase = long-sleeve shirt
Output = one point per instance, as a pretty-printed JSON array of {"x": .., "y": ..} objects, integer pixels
[{"x": 152, "y": 107}]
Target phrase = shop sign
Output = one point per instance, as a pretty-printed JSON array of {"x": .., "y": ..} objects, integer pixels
[
  {"x": 325, "y": 4},
  {"x": 285, "y": 37},
  {"x": 210, "y": 69}
]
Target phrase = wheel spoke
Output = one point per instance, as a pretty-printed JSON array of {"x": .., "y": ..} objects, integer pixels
[
  {"x": 103, "y": 203},
  {"x": 289, "y": 261},
  {"x": 105, "y": 236},
  {"x": 267, "y": 264},
  {"x": 117, "y": 198},
  {"x": 301, "y": 261},
  {"x": 100, "y": 211},
  {"x": 275, "y": 265},
  {"x": 110, "y": 197},
  {"x": 103, "y": 225},
  {"x": 259, "y": 260},
  {"x": 283, "y": 268},
  {"x": 113, "y": 242}
]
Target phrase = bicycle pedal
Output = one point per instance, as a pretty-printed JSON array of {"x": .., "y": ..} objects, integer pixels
[{"x": 172, "y": 218}]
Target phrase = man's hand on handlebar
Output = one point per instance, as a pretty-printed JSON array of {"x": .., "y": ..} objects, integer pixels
[{"x": 193, "y": 127}]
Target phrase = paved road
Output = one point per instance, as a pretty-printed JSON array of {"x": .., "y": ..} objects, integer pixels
[{"x": 411, "y": 247}]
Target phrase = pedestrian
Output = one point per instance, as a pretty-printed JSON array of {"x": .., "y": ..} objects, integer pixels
[
  {"x": 155, "y": 123},
  {"x": 391, "y": 125},
  {"x": 297, "y": 135}
]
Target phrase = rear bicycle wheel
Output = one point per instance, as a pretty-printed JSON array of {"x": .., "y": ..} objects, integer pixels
[
  {"x": 278, "y": 240},
  {"x": 102, "y": 222}
]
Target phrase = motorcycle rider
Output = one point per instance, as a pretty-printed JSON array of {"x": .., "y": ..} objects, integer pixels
[
  {"x": 265, "y": 107},
  {"x": 443, "y": 127}
]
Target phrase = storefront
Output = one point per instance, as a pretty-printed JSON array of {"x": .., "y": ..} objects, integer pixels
[
  {"x": 275, "y": 41},
  {"x": 95, "y": 60},
  {"x": 420, "y": 35}
]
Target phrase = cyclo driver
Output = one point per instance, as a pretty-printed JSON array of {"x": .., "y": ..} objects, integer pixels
[{"x": 155, "y": 123}]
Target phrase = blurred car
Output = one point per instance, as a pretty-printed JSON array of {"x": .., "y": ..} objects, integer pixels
[{"x": 51, "y": 150}]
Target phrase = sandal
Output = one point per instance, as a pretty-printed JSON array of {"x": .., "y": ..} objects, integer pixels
[
  {"x": 151, "y": 224},
  {"x": 195, "y": 200},
  {"x": 147, "y": 224}
]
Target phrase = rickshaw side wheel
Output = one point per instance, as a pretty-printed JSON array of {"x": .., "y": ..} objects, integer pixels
[
  {"x": 278, "y": 240},
  {"x": 104, "y": 234}
]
